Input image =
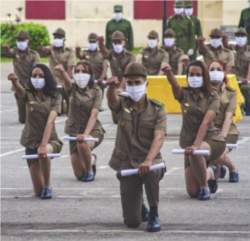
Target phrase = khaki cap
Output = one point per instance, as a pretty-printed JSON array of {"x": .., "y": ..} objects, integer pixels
[
  {"x": 216, "y": 33},
  {"x": 59, "y": 31},
  {"x": 23, "y": 34},
  {"x": 153, "y": 34},
  {"x": 118, "y": 35},
  {"x": 241, "y": 31},
  {"x": 92, "y": 37},
  {"x": 135, "y": 68},
  {"x": 169, "y": 32}
]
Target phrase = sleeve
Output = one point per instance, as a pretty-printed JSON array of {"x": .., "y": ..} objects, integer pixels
[
  {"x": 214, "y": 103},
  {"x": 230, "y": 62},
  {"x": 107, "y": 40},
  {"x": 232, "y": 105},
  {"x": 165, "y": 58},
  {"x": 241, "y": 23},
  {"x": 71, "y": 59},
  {"x": 191, "y": 34},
  {"x": 105, "y": 62},
  {"x": 118, "y": 107},
  {"x": 199, "y": 29},
  {"x": 130, "y": 37},
  {"x": 161, "y": 121},
  {"x": 36, "y": 59},
  {"x": 98, "y": 99},
  {"x": 182, "y": 97},
  {"x": 132, "y": 58},
  {"x": 56, "y": 104}
]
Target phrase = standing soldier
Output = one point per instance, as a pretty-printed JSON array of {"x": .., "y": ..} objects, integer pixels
[
  {"x": 215, "y": 50},
  {"x": 121, "y": 24},
  {"x": 196, "y": 23},
  {"x": 152, "y": 57},
  {"x": 140, "y": 136},
  {"x": 119, "y": 58},
  {"x": 245, "y": 21},
  {"x": 59, "y": 54},
  {"x": 23, "y": 61},
  {"x": 183, "y": 28}
]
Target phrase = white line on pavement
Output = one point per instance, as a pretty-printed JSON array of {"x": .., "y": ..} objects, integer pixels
[
  {"x": 11, "y": 152},
  {"x": 8, "y": 110},
  {"x": 173, "y": 170}
]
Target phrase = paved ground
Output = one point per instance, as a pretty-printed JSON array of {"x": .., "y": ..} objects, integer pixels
[{"x": 92, "y": 211}]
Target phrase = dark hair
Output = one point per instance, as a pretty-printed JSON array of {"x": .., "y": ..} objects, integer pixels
[
  {"x": 86, "y": 63},
  {"x": 222, "y": 66},
  {"x": 206, "y": 88},
  {"x": 50, "y": 84}
]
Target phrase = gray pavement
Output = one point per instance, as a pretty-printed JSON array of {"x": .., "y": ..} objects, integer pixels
[{"x": 92, "y": 211}]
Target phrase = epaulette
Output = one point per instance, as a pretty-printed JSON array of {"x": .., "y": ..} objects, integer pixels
[
  {"x": 227, "y": 50},
  {"x": 156, "y": 102},
  {"x": 96, "y": 87},
  {"x": 213, "y": 93},
  {"x": 68, "y": 49},
  {"x": 32, "y": 51},
  {"x": 162, "y": 50},
  {"x": 230, "y": 89}
]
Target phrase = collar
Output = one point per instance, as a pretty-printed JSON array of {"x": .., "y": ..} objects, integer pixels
[
  {"x": 130, "y": 106},
  {"x": 223, "y": 87},
  {"x": 201, "y": 94},
  {"x": 62, "y": 49}
]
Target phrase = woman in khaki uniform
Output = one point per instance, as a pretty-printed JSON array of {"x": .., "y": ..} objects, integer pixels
[
  {"x": 224, "y": 120},
  {"x": 199, "y": 108},
  {"x": 85, "y": 102},
  {"x": 39, "y": 135}
]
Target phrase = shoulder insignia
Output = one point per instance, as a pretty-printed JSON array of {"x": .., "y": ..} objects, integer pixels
[
  {"x": 156, "y": 102},
  {"x": 230, "y": 89}
]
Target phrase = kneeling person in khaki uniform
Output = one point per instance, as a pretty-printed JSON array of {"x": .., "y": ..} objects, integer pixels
[{"x": 140, "y": 136}]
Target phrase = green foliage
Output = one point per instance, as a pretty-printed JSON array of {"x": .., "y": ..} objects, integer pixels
[{"x": 38, "y": 33}]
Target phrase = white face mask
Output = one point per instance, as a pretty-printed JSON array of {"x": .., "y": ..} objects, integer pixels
[
  {"x": 178, "y": 11},
  {"x": 216, "y": 76},
  {"x": 136, "y": 92},
  {"x": 92, "y": 46},
  {"x": 169, "y": 42},
  {"x": 38, "y": 83},
  {"x": 215, "y": 42},
  {"x": 189, "y": 11},
  {"x": 82, "y": 80},
  {"x": 58, "y": 42},
  {"x": 195, "y": 81},
  {"x": 118, "y": 48},
  {"x": 241, "y": 41},
  {"x": 152, "y": 43},
  {"x": 117, "y": 16},
  {"x": 22, "y": 45}
]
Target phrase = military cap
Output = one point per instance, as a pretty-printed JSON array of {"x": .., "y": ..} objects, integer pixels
[
  {"x": 241, "y": 31},
  {"x": 118, "y": 35},
  {"x": 188, "y": 4},
  {"x": 23, "y": 34},
  {"x": 92, "y": 37},
  {"x": 169, "y": 32},
  {"x": 178, "y": 4},
  {"x": 153, "y": 34},
  {"x": 59, "y": 31},
  {"x": 216, "y": 33},
  {"x": 135, "y": 68},
  {"x": 118, "y": 8}
]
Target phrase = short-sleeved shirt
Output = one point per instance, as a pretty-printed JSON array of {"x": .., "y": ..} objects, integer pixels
[
  {"x": 242, "y": 61},
  {"x": 23, "y": 63},
  {"x": 193, "y": 113},
  {"x": 135, "y": 133},
  {"x": 222, "y": 54},
  {"x": 228, "y": 103},
  {"x": 119, "y": 62},
  {"x": 64, "y": 56},
  {"x": 81, "y": 103},
  {"x": 37, "y": 113},
  {"x": 174, "y": 57},
  {"x": 97, "y": 62},
  {"x": 152, "y": 60}
]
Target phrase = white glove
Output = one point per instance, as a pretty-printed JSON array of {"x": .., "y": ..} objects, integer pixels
[{"x": 190, "y": 52}]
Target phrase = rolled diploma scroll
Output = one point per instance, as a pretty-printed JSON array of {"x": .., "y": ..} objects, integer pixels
[
  {"x": 35, "y": 156},
  {"x": 240, "y": 82},
  {"x": 72, "y": 138},
  {"x": 196, "y": 153},
  {"x": 59, "y": 86},
  {"x": 104, "y": 82},
  {"x": 232, "y": 146},
  {"x": 129, "y": 172}
]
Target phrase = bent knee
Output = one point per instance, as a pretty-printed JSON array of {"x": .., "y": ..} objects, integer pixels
[
  {"x": 193, "y": 193},
  {"x": 132, "y": 223}
]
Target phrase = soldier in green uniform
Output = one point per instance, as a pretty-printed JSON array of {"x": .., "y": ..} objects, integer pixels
[
  {"x": 23, "y": 61},
  {"x": 121, "y": 24},
  {"x": 245, "y": 21},
  {"x": 152, "y": 57},
  {"x": 196, "y": 23},
  {"x": 140, "y": 136},
  {"x": 183, "y": 28}
]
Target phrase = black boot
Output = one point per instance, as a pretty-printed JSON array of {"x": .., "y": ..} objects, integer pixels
[
  {"x": 153, "y": 220},
  {"x": 144, "y": 213}
]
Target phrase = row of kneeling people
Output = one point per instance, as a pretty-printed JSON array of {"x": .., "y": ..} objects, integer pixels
[{"x": 208, "y": 106}]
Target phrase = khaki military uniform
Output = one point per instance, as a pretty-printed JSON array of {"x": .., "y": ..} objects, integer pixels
[
  {"x": 135, "y": 134},
  {"x": 23, "y": 63},
  {"x": 174, "y": 56},
  {"x": 228, "y": 103},
  {"x": 242, "y": 60},
  {"x": 81, "y": 103},
  {"x": 222, "y": 54},
  {"x": 193, "y": 112},
  {"x": 152, "y": 60}
]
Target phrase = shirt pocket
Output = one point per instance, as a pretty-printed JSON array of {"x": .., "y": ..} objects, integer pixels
[
  {"x": 125, "y": 121},
  {"x": 146, "y": 129}
]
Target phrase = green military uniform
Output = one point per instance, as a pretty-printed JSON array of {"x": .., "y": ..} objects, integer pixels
[
  {"x": 153, "y": 58},
  {"x": 123, "y": 26},
  {"x": 135, "y": 134},
  {"x": 184, "y": 31},
  {"x": 23, "y": 62},
  {"x": 245, "y": 22}
]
